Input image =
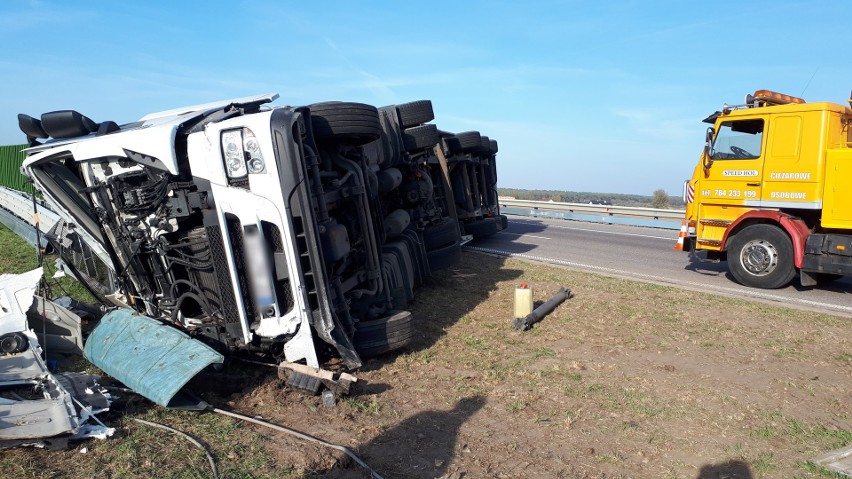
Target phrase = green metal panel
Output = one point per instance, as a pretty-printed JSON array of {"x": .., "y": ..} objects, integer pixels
[
  {"x": 11, "y": 158},
  {"x": 152, "y": 358}
]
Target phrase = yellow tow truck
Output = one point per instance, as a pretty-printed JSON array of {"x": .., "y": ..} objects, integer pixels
[{"x": 772, "y": 191}]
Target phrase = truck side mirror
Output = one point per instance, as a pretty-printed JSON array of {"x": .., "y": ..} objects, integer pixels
[
  {"x": 708, "y": 146},
  {"x": 708, "y": 139}
]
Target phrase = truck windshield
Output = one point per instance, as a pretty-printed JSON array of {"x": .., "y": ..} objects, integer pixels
[{"x": 738, "y": 140}]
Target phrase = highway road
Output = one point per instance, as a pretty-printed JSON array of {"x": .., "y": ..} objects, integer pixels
[{"x": 645, "y": 254}]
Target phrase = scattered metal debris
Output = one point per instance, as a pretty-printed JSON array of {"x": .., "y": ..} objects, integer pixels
[
  {"x": 311, "y": 379},
  {"x": 58, "y": 328},
  {"x": 329, "y": 399},
  {"x": 525, "y": 324},
  {"x": 40, "y": 409},
  {"x": 838, "y": 461}
]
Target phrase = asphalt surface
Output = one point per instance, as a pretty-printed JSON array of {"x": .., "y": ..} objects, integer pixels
[{"x": 646, "y": 254}]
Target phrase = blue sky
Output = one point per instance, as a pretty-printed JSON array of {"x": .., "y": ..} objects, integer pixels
[{"x": 585, "y": 96}]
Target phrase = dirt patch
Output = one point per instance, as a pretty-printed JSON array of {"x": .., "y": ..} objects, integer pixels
[{"x": 624, "y": 380}]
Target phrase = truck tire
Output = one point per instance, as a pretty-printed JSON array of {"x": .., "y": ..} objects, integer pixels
[
  {"x": 452, "y": 144},
  {"x": 481, "y": 228},
  {"x": 440, "y": 234},
  {"x": 486, "y": 145},
  {"x": 469, "y": 140},
  {"x": 415, "y": 113},
  {"x": 761, "y": 256},
  {"x": 383, "y": 335},
  {"x": 419, "y": 137},
  {"x": 345, "y": 122}
]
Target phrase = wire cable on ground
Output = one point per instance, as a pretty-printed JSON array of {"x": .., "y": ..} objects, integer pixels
[
  {"x": 292, "y": 432},
  {"x": 188, "y": 438},
  {"x": 300, "y": 436}
]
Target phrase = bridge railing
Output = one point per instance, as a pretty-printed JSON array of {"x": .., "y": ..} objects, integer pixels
[{"x": 629, "y": 215}]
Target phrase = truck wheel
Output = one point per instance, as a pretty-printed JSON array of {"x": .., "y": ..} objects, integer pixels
[
  {"x": 481, "y": 228},
  {"x": 419, "y": 137},
  {"x": 415, "y": 113},
  {"x": 469, "y": 140},
  {"x": 384, "y": 334},
  {"x": 441, "y": 234},
  {"x": 485, "y": 149},
  {"x": 452, "y": 144},
  {"x": 761, "y": 256},
  {"x": 346, "y": 122}
]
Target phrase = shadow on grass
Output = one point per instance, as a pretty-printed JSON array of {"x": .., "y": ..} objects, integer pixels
[
  {"x": 447, "y": 297},
  {"x": 423, "y": 445},
  {"x": 727, "y": 470}
]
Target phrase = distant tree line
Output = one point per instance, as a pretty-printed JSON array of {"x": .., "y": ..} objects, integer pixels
[{"x": 655, "y": 200}]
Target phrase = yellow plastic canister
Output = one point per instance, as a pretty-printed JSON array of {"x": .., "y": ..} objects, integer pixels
[{"x": 523, "y": 300}]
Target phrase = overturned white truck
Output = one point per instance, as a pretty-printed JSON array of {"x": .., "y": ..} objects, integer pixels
[{"x": 287, "y": 231}]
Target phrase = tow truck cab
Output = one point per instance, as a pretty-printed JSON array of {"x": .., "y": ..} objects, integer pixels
[{"x": 769, "y": 185}]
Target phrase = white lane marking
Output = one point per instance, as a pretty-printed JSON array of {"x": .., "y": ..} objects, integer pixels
[
  {"x": 524, "y": 234},
  {"x": 667, "y": 238},
  {"x": 701, "y": 286}
]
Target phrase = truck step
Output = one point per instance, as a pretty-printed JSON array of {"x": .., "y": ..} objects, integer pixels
[
  {"x": 710, "y": 242},
  {"x": 715, "y": 222}
]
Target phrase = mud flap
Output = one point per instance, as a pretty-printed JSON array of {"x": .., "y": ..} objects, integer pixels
[{"x": 153, "y": 359}]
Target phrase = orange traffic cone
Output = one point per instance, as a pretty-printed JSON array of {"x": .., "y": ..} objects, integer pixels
[{"x": 681, "y": 236}]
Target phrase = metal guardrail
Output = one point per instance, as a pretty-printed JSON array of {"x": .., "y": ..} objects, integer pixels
[
  {"x": 629, "y": 215},
  {"x": 16, "y": 213}
]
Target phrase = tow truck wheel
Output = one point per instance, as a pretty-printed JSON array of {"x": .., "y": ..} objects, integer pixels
[{"x": 761, "y": 256}]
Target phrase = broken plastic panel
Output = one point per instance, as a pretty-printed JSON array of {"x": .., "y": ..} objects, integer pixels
[
  {"x": 36, "y": 408},
  {"x": 154, "y": 359}
]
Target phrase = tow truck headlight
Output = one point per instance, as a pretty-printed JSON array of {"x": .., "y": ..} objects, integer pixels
[{"x": 242, "y": 154}]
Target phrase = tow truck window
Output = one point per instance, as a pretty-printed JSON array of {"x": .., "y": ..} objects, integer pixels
[{"x": 740, "y": 140}]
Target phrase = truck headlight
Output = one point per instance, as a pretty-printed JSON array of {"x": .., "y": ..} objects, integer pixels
[
  {"x": 254, "y": 158},
  {"x": 241, "y": 153}
]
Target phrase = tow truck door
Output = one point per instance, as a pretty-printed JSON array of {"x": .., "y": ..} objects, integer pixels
[
  {"x": 794, "y": 161},
  {"x": 735, "y": 174}
]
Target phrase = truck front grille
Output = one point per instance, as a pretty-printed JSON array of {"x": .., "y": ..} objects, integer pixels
[
  {"x": 226, "y": 297},
  {"x": 235, "y": 234},
  {"x": 305, "y": 262},
  {"x": 275, "y": 244}
]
